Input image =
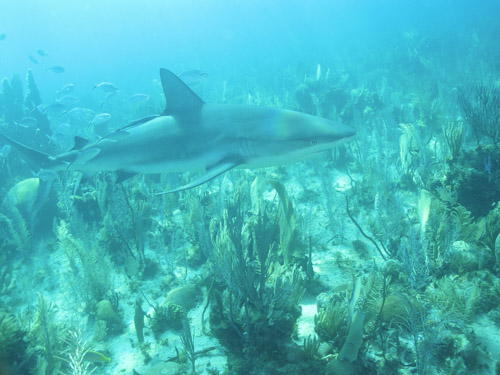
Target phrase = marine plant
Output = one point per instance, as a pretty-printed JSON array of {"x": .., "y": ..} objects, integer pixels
[
  {"x": 481, "y": 109},
  {"x": 7, "y": 279},
  {"x": 453, "y": 133},
  {"x": 88, "y": 264},
  {"x": 12, "y": 344},
  {"x": 311, "y": 345},
  {"x": 330, "y": 322},
  {"x": 46, "y": 337},
  {"x": 15, "y": 238},
  {"x": 76, "y": 357},
  {"x": 187, "y": 341},
  {"x": 491, "y": 232},
  {"x": 259, "y": 300}
]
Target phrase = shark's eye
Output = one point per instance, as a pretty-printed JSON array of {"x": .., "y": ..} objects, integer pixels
[{"x": 314, "y": 142}]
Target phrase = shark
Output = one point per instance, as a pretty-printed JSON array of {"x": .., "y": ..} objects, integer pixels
[{"x": 191, "y": 135}]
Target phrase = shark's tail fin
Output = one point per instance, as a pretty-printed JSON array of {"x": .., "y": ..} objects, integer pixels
[{"x": 37, "y": 160}]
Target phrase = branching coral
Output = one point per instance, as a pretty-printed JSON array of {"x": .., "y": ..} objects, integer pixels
[
  {"x": 14, "y": 234},
  {"x": 330, "y": 323},
  {"x": 481, "y": 109},
  {"x": 12, "y": 344},
  {"x": 453, "y": 133},
  {"x": 89, "y": 265},
  {"x": 262, "y": 302},
  {"x": 47, "y": 335},
  {"x": 76, "y": 358}
]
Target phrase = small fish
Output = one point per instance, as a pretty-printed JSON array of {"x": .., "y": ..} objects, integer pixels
[
  {"x": 63, "y": 128},
  {"x": 92, "y": 356},
  {"x": 2, "y": 37},
  {"x": 56, "y": 69},
  {"x": 108, "y": 96},
  {"x": 106, "y": 87},
  {"x": 47, "y": 175},
  {"x": 33, "y": 60},
  {"x": 41, "y": 52},
  {"x": 5, "y": 150},
  {"x": 138, "y": 98},
  {"x": 66, "y": 89},
  {"x": 28, "y": 122},
  {"x": 192, "y": 77},
  {"x": 56, "y": 107},
  {"x": 81, "y": 113},
  {"x": 68, "y": 100},
  {"x": 101, "y": 118}
]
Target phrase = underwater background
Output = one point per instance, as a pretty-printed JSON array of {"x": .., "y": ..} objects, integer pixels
[{"x": 378, "y": 257}]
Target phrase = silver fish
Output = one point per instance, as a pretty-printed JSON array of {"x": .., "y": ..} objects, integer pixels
[
  {"x": 68, "y": 100},
  {"x": 28, "y": 122},
  {"x": 84, "y": 114},
  {"x": 192, "y": 77},
  {"x": 101, "y": 118},
  {"x": 138, "y": 98},
  {"x": 106, "y": 87}
]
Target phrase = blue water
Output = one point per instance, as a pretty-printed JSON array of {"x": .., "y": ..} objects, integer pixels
[
  {"x": 125, "y": 42},
  {"x": 420, "y": 177}
]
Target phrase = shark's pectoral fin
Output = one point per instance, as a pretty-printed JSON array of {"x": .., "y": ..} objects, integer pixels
[{"x": 210, "y": 173}]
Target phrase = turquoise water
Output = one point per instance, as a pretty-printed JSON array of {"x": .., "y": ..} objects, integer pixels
[{"x": 372, "y": 254}]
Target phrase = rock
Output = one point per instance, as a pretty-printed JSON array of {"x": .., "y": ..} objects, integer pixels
[{"x": 167, "y": 368}]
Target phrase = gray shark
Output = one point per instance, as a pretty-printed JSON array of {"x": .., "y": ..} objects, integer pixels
[{"x": 192, "y": 135}]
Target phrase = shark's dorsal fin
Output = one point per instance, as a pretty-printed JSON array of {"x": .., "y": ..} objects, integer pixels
[{"x": 180, "y": 98}]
